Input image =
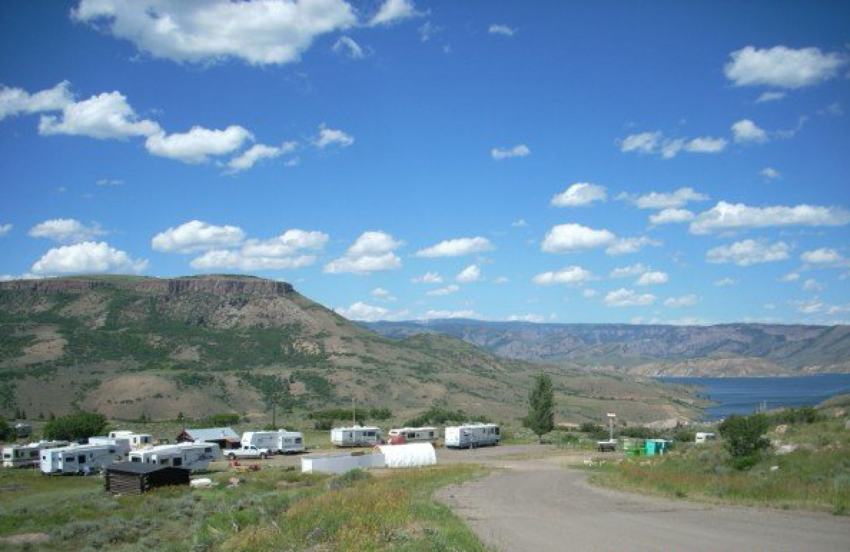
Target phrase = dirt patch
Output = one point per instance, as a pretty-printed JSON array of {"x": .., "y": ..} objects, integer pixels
[{"x": 25, "y": 538}]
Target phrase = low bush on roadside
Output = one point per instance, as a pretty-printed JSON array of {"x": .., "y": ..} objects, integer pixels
[{"x": 743, "y": 438}]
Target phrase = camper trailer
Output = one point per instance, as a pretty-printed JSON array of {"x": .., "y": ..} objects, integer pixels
[
  {"x": 277, "y": 442},
  {"x": 415, "y": 434},
  {"x": 356, "y": 436},
  {"x": 705, "y": 437},
  {"x": 471, "y": 436},
  {"x": 82, "y": 459},
  {"x": 26, "y": 456},
  {"x": 137, "y": 440},
  {"x": 290, "y": 441},
  {"x": 191, "y": 456}
]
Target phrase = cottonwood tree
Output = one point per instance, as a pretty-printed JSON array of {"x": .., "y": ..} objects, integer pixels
[{"x": 541, "y": 407}]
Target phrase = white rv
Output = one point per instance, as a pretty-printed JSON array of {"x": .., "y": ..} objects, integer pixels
[
  {"x": 16, "y": 456},
  {"x": 356, "y": 436},
  {"x": 704, "y": 437},
  {"x": 137, "y": 440},
  {"x": 471, "y": 436},
  {"x": 82, "y": 459},
  {"x": 192, "y": 456},
  {"x": 277, "y": 442},
  {"x": 416, "y": 434},
  {"x": 290, "y": 441}
]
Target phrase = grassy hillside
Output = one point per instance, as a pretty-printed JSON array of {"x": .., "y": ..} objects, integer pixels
[{"x": 131, "y": 347}]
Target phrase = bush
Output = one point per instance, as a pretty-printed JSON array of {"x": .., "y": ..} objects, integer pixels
[
  {"x": 323, "y": 425},
  {"x": 441, "y": 416},
  {"x": 380, "y": 414},
  {"x": 79, "y": 425},
  {"x": 640, "y": 433},
  {"x": 7, "y": 432},
  {"x": 803, "y": 415},
  {"x": 744, "y": 439},
  {"x": 684, "y": 435},
  {"x": 222, "y": 419}
]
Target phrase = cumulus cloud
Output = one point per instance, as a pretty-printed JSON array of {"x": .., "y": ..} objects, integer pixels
[
  {"x": 749, "y": 252},
  {"x": 671, "y": 216},
  {"x": 5, "y": 229},
  {"x": 625, "y": 246},
  {"x": 655, "y": 143},
  {"x": 199, "y": 144},
  {"x": 66, "y": 231},
  {"x": 472, "y": 273},
  {"x": 816, "y": 306},
  {"x": 503, "y": 30},
  {"x": 579, "y": 195},
  {"x": 652, "y": 278},
  {"x": 823, "y": 257},
  {"x": 629, "y": 271},
  {"x": 628, "y": 298},
  {"x": 566, "y": 238},
  {"x": 644, "y": 142},
  {"x": 259, "y": 32},
  {"x": 332, "y": 137},
  {"x": 520, "y": 150},
  {"x": 382, "y": 294},
  {"x": 15, "y": 101},
  {"x": 105, "y": 116},
  {"x": 346, "y": 45},
  {"x": 770, "y": 97},
  {"x": 290, "y": 250},
  {"x": 370, "y": 313},
  {"x": 681, "y": 302},
  {"x": 706, "y": 144},
  {"x": 394, "y": 11},
  {"x": 372, "y": 251},
  {"x": 782, "y": 67},
  {"x": 813, "y": 285},
  {"x": 790, "y": 277},
  {"x": 746, "y": 131},
  {"x": 87, "y": 257},
  {"x": 571, "y": 276},
  {"x": 443, "y": 314},
  {"x": 727, "y": 216},
  {"x": 723, "y": 282},
  {"x": 448, "y": 290},
  {"x": 519, "y": 223},
  {"x": 257, "y": 153},
  {"x": 196, "y": 235},
  {"x": 428, "y": 278},
  {"x": 663, "y": 200},
  {"x": 770, "y": 173},
  {"x": 457, "y": 247}
]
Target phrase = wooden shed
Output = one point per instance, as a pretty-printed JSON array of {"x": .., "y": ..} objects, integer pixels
[{"x": 140, "y": 477}]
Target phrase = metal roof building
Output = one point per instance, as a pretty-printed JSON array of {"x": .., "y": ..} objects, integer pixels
[{"x": 224, "y": 437}]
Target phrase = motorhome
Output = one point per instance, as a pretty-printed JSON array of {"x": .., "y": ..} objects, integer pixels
[
  {"x": 356, "y": 436},
  {"x": 704, "y": 437},
  {"x": 137, "y": 440},
  {"x": 471, "y": 436},
  {"x": 22, "y": 456},
  {"x": 191, "y": 456},
  {"x": 82, "y": 459},
  {"x": 416, "y": 434}
]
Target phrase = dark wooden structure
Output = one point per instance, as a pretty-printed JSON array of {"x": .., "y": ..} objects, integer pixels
[{"x": 140, "y": 477}]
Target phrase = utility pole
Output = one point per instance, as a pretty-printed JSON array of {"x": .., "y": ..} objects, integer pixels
[{"x": 353, "y": 410}]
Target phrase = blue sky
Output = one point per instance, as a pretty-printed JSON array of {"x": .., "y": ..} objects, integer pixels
[{"x": 566, "y": 161}]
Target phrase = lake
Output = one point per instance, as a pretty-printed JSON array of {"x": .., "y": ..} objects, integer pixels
[{"x": 744, "y": 395}]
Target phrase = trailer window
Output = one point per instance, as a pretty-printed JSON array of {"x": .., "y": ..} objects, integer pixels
[
  {"x": 208, "y": 449},
  {"x": 178, "y": 461},
  {"x": 135, "y": 459},
  {"x": 7, "y": 456},
  {"x": 69, "y": 458},
  {"x": 497, "y": 431},
  {"x": 298, "y": 440}
]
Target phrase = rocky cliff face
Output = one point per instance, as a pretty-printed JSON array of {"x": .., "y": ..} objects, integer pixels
[{"x": 217, "y": 285}]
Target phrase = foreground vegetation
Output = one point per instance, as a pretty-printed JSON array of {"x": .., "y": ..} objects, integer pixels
[{"x": 272, "y": 509}]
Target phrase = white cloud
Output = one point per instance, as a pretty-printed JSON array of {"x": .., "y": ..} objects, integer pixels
[
  {"x": 656, "y": 143},
  {"x": 770, "y": 97},
  {"x": 289, "y": 250},
  {"x": 520, "y": 223},
  {"x": 822, "y": 256},
  {"x": 533, "y": 318},
  {"x": 520, "y": 150},
  {"x": 382, "y": 294},
  {"x": 457, "y": 247},
  {"x": 625, "y": 246},
  {"x": 746, "y": 131},
  {"x": 66, "y": 231},
  {"x": 706, "y": 144},
  {"x": 816, "y": 306},
  {"x": 257, "y": 153},
  {"x": 748, "y": 252},
  {"x": 579, "y": 195},
  {"x": 782, "y": 67},
  {"x": 197, "y": 145},
  {"x": 109, "y": 182},
  {"x": 87, "y": 257},
  {"x": 727, "y": 216},
  {"x": 501, "y": 280},
  {"x": 571, "y": 276},
  {"x": 440, "y": 314},
  {"x": 372, "y": 251},
  {"x": 645, "y": 142},
  {"x": 5, "y": 229},
  {"x": 393, "y": 11},
  {"x": 332, "y": 137},
  {"x": 448, "y": 290},
  {"x": 671, "y": 216},
  {"x": 428, "y": 278},
  {"x": 588, "y": 292},
  {"x": 566, "y": 238},
  {"x": 259, "y": 32},
  {"x": 370, "y": 313},
  {"x": 813, "y": 285},
  {"x": 790, "y": 277},
  {"x": 15, "y": 101},
  {"x": 504, "y": 30},
  {"x": 629, "y": 271},
  {"x": 652, "y": 278},
  {"x": 681, "y": 302},
  {"x": 105, "y": 116},
  {"x": 346, "y": 45},
  {"x": 723, "y": 282},
  {"x": 628, "y": 298},
  {"x": 770, "y": 173},
  {"x": 660, "y": 200},
  {"x": 196, "y": 236},
  {"x": 472, "y": 273}
]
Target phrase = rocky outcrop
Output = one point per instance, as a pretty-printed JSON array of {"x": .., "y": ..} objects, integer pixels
[{"x": 217, "y": 285}]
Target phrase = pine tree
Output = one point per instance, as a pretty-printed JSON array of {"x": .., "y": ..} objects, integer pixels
[{"x": 541, "y": 406}]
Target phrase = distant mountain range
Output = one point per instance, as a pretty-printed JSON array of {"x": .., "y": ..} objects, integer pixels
[{"x": 652, "y": 350}]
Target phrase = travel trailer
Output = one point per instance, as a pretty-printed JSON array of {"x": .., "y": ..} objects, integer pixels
[
  {"x": 704, "y": 437},
  {"x": 471, "y": 436},
  {"x": 82, "y": 459},
  {"x": 17, "y": 456},
  {"x": 191, "y": 456},
  {"x": 416, "y": 434},
  {"x": 277, "y": 442},
  {"x": 137, "y": 440},
  {"x": 356, "y": 436}
]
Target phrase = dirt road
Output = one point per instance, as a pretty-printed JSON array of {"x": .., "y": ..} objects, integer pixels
[{"x": 542, "y": 506}]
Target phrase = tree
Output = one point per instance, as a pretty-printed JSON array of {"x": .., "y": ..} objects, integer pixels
[
  {"x": 743, "y": 437},
  {"x": 7, "y": 432},
  {"x": 79, "y": 425},
  {"x": 541, "y": 407}
]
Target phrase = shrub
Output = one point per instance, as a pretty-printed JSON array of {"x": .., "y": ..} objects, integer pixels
[
  {"x": 7, "y": 432},
  {"x": 222, "y": 419},
  {"x": 323, "y": 425},
  {"x": 803, "y": 415},
  {"x": 640, "y": 433},
  {"x": 440, "y": 416},
  {"x": 744, "y": 439},
  {"x": 380, "y": 414},
  {"x": 348, "y": 479},
  {"x": 79, "y": 425}
]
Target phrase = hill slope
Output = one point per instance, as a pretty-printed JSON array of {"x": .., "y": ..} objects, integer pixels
[
  {"x": 128, "y": 346},
  {"x": 722, "y": 350}
]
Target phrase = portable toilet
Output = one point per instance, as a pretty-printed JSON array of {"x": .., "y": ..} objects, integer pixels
[{"x": 649, "y": 447}]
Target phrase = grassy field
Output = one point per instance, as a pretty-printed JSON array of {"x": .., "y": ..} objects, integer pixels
[
  {"x": 815, "y": 476},
  {"x": 273, "y": 509}
]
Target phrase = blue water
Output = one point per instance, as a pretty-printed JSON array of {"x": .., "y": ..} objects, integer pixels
[{"x": 744, "y": 395}]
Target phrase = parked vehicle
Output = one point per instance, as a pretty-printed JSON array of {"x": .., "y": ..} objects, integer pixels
[
  {"x": 22, "y": 430},
  {"x": 277, "y": 442},
  {"x": 248, "y": 452},
  {"x": 705, "y": 437},
  {"x": 290, "y": 442},
  {"x": 82, "y": 459},
  {"x": 472, "y": 436},
  {"x": 356, "y": 436},
  {"x": 23, "y": 456},
  {"x": 190, "y": 456},
  {"x": 137, "y": 440},
  {"x": 415, "y": 434}
]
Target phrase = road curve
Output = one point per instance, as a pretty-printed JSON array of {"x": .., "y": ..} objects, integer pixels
[{"x": 541, "y": 506}]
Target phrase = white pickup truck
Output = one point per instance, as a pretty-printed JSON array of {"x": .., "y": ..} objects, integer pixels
[{"x": 247, "y": 452}]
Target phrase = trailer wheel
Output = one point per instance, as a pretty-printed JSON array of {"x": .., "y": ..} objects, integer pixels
[
  {"x": 263, "y": 456},
  {"x": 231, "y": 457}
]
